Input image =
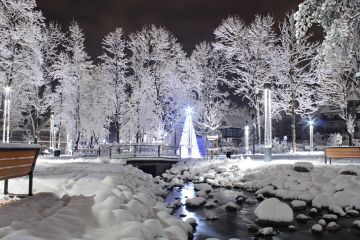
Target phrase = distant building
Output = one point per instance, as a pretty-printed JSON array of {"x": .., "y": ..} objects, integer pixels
[{"x": 232, "y": 129}]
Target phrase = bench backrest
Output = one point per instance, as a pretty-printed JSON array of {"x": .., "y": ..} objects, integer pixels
[
  {"x": 17, "y": 160},
  {"x": 351, "y": 152}
]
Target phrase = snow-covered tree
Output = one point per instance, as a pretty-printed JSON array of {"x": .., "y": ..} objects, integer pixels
[
  {"x": 39, "y": 98},
  {"x": 298, "y": 84},
  {"x": 73, "y": 71},
  {"x": 337, "y": 73},
  {"x": 211, "y": 69},
  {"x": 21, "y": 59},
  {"x": 114, "y": 69},
  {"x": 158, "y": 66},
  {"x": 339, "y": 57},
  {"x": 95, "y": 121},
  {"x": 250, "y": 51}
]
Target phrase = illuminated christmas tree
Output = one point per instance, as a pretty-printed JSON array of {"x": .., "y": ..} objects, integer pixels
[{"x": 188, "y": 142}]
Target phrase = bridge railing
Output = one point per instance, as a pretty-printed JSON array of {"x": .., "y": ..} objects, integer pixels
[{"x": 142, "y": 151}]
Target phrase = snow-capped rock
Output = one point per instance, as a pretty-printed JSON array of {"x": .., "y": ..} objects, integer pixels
[
  {"x": 195, "y": 202},
  {"x": 274, "y": 211},
  {"x": 317, "y": 228}
]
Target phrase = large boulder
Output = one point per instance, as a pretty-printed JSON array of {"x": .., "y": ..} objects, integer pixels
[{"x": 274, "y": 211}]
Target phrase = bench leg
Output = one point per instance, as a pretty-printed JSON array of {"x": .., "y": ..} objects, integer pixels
[
  {"x": 30, "y": 184},
  {"x": 6, "y": 185}
]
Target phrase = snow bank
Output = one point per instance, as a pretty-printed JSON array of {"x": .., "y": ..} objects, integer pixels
[
  {"x": 90, "y": 200},
  {"x": 272, "y": 210}
]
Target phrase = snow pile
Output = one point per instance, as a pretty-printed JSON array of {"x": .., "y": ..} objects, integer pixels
[
  {"x": 272, "y": 210},
  {"x": 90, "y": 201}
]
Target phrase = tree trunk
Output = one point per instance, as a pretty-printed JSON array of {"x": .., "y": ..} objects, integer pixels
[
  {"x": 293, "y": 129},
  {"x": 117, "y": 127},
  {"x": 77, "y": 142},
  {"x": 350, "y": 139}
]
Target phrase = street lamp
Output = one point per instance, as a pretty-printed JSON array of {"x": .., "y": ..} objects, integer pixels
[
  {"x": 268, "y": 133},
  {"x": 52, "y": 132},
  {"x": 6, "y": 124},
  {"x": 246, "y": 133},
  {"x": 311, "y": 129}
]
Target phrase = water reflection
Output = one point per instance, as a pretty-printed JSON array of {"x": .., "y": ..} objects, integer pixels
[{"x": 236, "y": 224}]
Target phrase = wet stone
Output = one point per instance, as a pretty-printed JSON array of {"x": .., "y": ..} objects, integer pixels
[
  {"x": 317, "y": 229},
  {"x": 302, "y": 218},
  {"x": 253, "y": 229},
  {"x": 291, "y": 228},
  {"x": 333, "y": 226},
  {"x": 231, "y": 207},
  {"x": 352, "y": 213}
]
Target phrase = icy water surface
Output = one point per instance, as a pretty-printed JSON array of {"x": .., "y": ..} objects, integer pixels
[{"x": 236, "y": 224}]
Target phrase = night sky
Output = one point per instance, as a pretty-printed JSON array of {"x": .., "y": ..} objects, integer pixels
[{"x": 191, "y": 21}]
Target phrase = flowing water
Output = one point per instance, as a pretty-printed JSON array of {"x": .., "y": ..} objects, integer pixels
[{"x": 236, "y": 224}]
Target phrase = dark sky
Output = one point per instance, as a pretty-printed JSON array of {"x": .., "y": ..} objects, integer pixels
[{"x": 191, "y": 21}]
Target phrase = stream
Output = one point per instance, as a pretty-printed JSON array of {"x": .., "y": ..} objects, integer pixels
[{"x": 236, "y": 224}]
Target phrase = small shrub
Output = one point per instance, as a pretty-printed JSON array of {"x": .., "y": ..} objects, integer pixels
[
  {"x": 335, "y": 140},
  {"x": 280, "y": 146}
]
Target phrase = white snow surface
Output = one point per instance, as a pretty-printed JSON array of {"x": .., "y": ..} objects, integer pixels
[
  {"x": 89, "y": 199},
  {"x": 323, "y": 186},
  {"x": 274, "y": 210}
]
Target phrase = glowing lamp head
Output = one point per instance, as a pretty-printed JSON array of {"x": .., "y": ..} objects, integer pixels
[
  {"x": 188, "y": 110},
  {"x": 311, "y": 122},
  {"x": 7, "y": 88}
]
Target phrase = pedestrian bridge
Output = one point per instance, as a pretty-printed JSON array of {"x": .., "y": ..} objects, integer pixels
[{"x": 151, "y": 158}]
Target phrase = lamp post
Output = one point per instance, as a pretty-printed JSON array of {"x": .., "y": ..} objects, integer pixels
[
  {"x": 188, "y": 113},
  {"x": 246, "y": 133},
  {"x": 52, "y": 132},
  {"x": 311, "y": 135},
  {"x": 268, "y": 133},
  {"x": 253, "y": 137},
  {"x": 6, "y": 124}
]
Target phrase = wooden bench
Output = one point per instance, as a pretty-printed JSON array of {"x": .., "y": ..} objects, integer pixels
[
  {"x": 18, "y": 160},
  {"x": 341, "y": 152}
]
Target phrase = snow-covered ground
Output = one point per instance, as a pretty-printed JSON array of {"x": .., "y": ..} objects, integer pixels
[
  {"x": 89, "y": 199},
  {"x": 336, "y": 186}
]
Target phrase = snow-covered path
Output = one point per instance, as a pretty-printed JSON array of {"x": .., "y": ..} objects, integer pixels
[{"x": 89, "y": 199}]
